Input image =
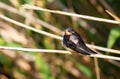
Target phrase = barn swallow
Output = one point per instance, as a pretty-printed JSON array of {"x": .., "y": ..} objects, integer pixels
[{"x": 73, "y": 41}]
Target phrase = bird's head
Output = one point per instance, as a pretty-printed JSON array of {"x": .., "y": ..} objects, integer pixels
[{"x": 69, "y": 31}]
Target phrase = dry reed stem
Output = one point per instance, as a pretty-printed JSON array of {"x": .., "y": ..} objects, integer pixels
[
  {"x": 104, "y": 49},
  {"x": 113, "y": 15},
  {"x": 105, "y": 56},
  {"x": 97, "y": 68},
  {"x": 31, "y": 28},
  {"x": 57, "y": 51},
  {"x": 35, "y": 50},
  {"x": 71, "y": 14}
]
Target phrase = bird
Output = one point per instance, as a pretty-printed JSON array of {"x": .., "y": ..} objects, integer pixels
[{"x": 74, "y": 42}]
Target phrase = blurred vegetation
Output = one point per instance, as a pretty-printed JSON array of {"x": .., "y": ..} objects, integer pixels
[{"x": 32, "y": 65}]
